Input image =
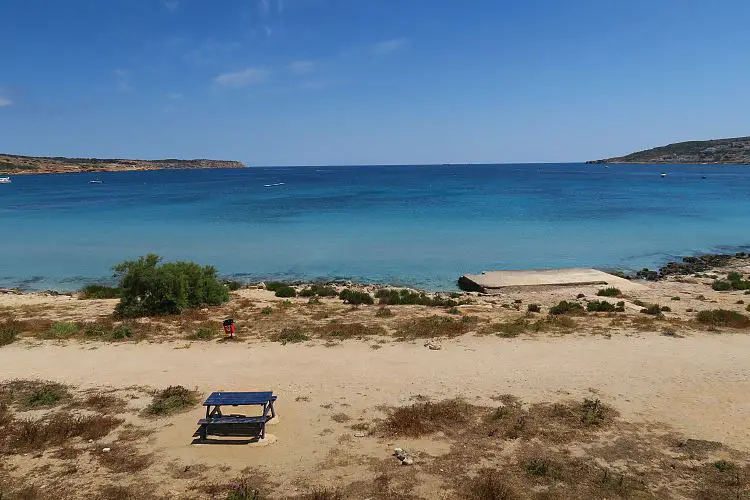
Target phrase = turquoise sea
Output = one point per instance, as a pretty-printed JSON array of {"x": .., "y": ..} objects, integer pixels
[{"x": 422, "y": 226}]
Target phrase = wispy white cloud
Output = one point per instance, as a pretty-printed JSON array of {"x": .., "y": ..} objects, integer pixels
[
  {"x": 248, "y": 76},
  {"x": 172, "y": 5},
  {"x": 174, "y": 96},
  {"x": 389, "y": 46},
  {"x": 300, "y": 67},
  {"x": 5, "y": 101},
  {"x": 268, "y": 30}
]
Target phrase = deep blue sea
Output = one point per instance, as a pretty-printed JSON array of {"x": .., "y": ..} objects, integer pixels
[{"x": 422, "y": 226}]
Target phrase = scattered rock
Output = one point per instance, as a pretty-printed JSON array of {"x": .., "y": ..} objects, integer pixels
[
  {"x": 405, "y": 458},
  {"x": 359, "y": 434},
  {"x": 106, "y": 450},
  {"x": 432, "y": 347},
  {"x": 407, "y": 461}
]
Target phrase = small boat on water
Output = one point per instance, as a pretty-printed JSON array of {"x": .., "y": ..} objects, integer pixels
[
  {"x": 663, "y": 174},
  {"x": 95, "y": 181},
  {"x": 4, "y": 180}
]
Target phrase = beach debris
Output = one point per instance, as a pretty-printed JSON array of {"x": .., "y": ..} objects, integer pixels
[
  {"x": 359, "y": 434},
  {"x": 432, "y": 346},
  {"x": 405, "y": 458}
]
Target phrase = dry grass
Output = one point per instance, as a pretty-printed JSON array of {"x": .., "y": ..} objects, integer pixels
[
  {"x": 340, "y": 418},
  {"x": 436, "y": 326},
  {"x": 174, "y": 399},
  {"x": 344, "y": 331},
  {"x": 124, "y": 458},
  {"x": 426, "y": 418},
  {"x": 34, "y": 435},
  {"x": 104, "y": 403}
]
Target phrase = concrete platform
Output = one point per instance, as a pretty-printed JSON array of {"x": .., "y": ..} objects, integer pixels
[{"x": 504, "y": 281}]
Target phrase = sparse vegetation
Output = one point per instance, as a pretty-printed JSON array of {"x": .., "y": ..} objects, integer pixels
[
  {"x": 436, "y": 326},
  {"x": 173, "y": 399},
  {"x": 290, "y": 335},
  {"x": 355, "y": 297},
  {"x": 384, "y": 312},
  {"x": 36, "y": 435},
  {"x": 723, "y": 317},
  {"x": 336, "y": 330},
  {"x": 609, "y": 292},
  {"x": 153, "y": 289},
  {"x": 534, "y": 308},
  {"x": 653, "y": 310},
  {"x": 99, "y": 292},
  {"x": 426, "y": 418},
  {"x": 9, "y": 331},
  {"x": 201, "y": 333},
  {"x": 61, "y": 330},
  {"x": 33, "y": 394},
  {"x": 124, "y": 458},
  {"x": 285, "y": 291},
  {"x": 565, "y": 307}
]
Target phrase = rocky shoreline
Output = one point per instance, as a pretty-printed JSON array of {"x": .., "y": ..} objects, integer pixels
[{"x": 27, "y": 165}]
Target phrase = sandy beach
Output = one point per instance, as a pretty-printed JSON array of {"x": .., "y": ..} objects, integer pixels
[{"x": 669, "y": 379}]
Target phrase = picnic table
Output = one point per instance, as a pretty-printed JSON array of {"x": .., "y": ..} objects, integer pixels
[{"x": 217, "y": 423}]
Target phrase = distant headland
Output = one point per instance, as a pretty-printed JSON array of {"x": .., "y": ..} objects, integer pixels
[
  {"x": 18, "y": 165},
  {"x": 734, "y": 150}
]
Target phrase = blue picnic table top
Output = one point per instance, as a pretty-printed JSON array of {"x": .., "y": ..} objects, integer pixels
[{"x": 239, "y": 398}]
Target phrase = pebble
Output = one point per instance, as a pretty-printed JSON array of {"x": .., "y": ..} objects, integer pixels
[
  {"x": 359, "y": 434},
  {"x": 432, "y": 347},
  {"x": 106, "y": 450},
  {"x": 407, "y": 461}
]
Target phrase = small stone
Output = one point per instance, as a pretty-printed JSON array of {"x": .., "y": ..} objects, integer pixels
[
  {"x": 359, "y": 434},
  {"x": 106, "y": 450},
  {"x": 407, "y": 461}
]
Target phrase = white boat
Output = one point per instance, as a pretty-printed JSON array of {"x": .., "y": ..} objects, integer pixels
[
  {"x": 4, "y": 180},
  {"x": 96, "y": 181}
]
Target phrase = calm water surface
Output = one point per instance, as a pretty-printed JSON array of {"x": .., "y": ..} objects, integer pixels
[{"x": 414, "y": 225}]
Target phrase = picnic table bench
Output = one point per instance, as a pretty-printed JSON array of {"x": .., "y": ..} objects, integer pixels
[{"x": 216, "y": 423}]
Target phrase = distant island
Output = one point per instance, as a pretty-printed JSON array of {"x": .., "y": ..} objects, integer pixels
[
  {"x": 736, "y": 150},
  {"x": 18, "y": 165}
]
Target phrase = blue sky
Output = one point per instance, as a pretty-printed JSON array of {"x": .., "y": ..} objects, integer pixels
[{"x": 297, "y": 82}]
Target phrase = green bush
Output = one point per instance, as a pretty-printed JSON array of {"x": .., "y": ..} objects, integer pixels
[
  {"x": 99, "y": 292},
  {"x": 286, "y": 292},
  {"x": 61, "y": 330},
  {"x": 604, "y": 306},
  {"x": 394, "y": 297},
  {"x": 721, "y": 285},
  {"x": 565, "y": 307},
  {"x": 609, "y": 292},
  {"x": 723, "y": 317},
  {"x": 534, "y": 308},
  {"x": 355, "y": 297},
  {"x": 233, "y": 285},
  {"x": 318, "y": 290},
  {"x": 121, "y": 332},
  {"x": 202, "y": 333},
  {"x": 150, "y": 289}
]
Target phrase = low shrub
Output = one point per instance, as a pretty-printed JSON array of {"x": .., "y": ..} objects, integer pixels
[
  {"x": 173, "y": 399},
  {"x": 565, "y": 307},
  {"x": 384, "y": 312},
  {"x": 675, "y": 298},
  {"x": 355, "y": 297},
  {"x": 291, "y": 335},
  {"x": 604, "y": 306},
  {"x": 124, "y": 458},
  {"x": 266, "y": 311},
  {"x": 721, "y": 285},
  {"x": 232, "y": 285},
  {"x": 9, "y": 332},
  {"x": 534, "y": 308},
  {"x": 653, "y": 310},
  {"x": 61, "y": 330},
  {"x": 723, "y": 317},
  {"x": 33, "y": 394},
  {"x": 285, "y": 292},
  {"x": 28, "y": 434},
  {"x": 342, "y": 331},
  {"x": 436, "y": 326},
  {"x": 393, "y": 297},
  {"x": 318, "y": 290},
  {"x": 99, "y": 292},
  {"x": 426, "y": 418},
  {"x": 609, "y": 292},
  {"x": 510, "y": 329},
  {"x": 122, "y": 332},
  {"x": 201, "y": 333},
  {"x": 734, "y": 281}
]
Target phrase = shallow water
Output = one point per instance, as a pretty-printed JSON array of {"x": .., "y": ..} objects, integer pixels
[{"x": 415, "y": 225}]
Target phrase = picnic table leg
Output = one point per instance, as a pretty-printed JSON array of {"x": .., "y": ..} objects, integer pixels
[{"x": 203, "y": 432}]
